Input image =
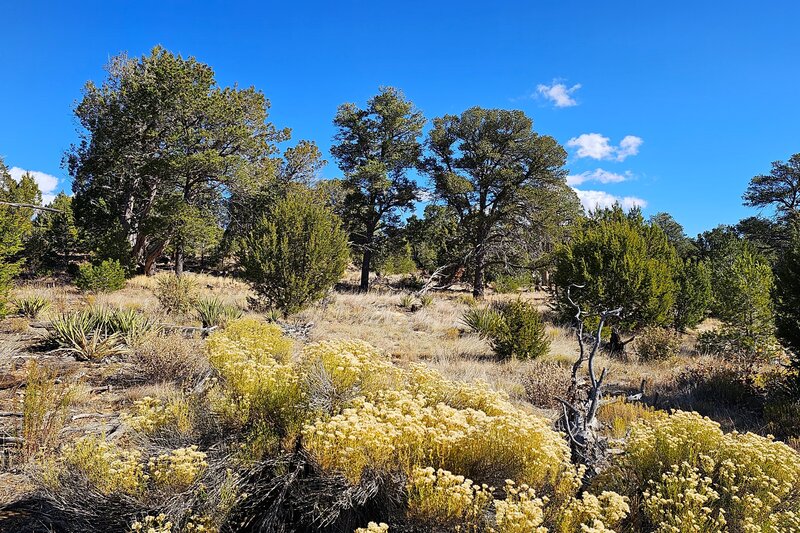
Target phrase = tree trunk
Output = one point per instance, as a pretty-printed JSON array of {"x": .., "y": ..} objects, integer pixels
[
  {"x": 178, "y": 259},
  {"x": 364, "y": 287},
  {"x": 478, "y": 279},
  {"x": 366, "y": 260}
]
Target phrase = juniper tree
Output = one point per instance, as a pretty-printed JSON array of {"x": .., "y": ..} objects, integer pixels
[
  {"x": 160, "y": 128},
  {"x": 620, "y": 259},
  {"x": 15, "y": 225},
  {"x": 295, "y": 253}
]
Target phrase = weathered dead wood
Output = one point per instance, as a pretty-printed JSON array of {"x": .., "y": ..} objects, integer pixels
[{"x": 579, "y": 417}]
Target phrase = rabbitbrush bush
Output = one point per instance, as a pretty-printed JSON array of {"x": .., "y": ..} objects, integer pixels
[
  {"x": 359, "y": 414},
  {"x": 682, "y": 473}
]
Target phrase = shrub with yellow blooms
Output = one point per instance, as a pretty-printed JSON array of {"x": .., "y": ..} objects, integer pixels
[
  {"x": 682, "y": 473},
  {"x": 373, "y": 527},
  {"x": 438, "y": 497},
  {"x": 149, "y": 415},
  {"x": 179, "y": 468},
  {"x": 259, "y": 380},
  {"x": 106, "y": 466}
]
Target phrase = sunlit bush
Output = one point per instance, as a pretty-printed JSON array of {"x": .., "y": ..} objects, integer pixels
[
  {"x": 106, "y": 466},
  {"x": 179, "y": 468},
  {"x": 684, "y": 474}
]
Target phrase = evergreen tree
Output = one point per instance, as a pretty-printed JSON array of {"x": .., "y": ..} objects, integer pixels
[
  {"x": 694, "y": 294},
  {"x": 490, "y": 167},
  {"x": 160, "y": 141},
  {"x": 787, "y": 295},
  {"x": 295, "y": 253},
  {"x": 15, "y": 225},
  {"x": 743, "y": 298},
  {"x": 622, "y": 261},
  {"x": 376, "y": 147}
]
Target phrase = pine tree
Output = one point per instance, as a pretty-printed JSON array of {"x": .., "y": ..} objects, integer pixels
[
  {"x": 15, "y": 225},
  {"x": 694, "y": 294}
]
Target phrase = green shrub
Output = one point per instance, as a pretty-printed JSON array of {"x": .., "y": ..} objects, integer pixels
[
  {"x": 213, "y": 312},
  {"x": 694, "y": 294},
  {"x": 31, "y": 306},
  {"x": 657, "y": 344},
  {"x": 743, "y": 300},
  {"x": 176, "y": 294},
  {"x": 514, "y": 329},
  {"x": 108, "y": 276},
  {"x": 506, "y": 283},
  {"x": 296, "y": 253},
  {"x": 621, "y": 260}
]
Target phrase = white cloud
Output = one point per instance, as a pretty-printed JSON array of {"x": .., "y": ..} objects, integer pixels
[
  {"x": 592, "y": 145},
  {"x": 628, "y": 146},
  {"x": 598, "y": 146},
  {"x": 592, "y": 200},
  {"x": 558, "y": 93},
  {"x": 47, "y": 183},
  {"x": 599, "y": 175}
]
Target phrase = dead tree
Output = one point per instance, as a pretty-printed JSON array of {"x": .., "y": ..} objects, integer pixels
[
  {"x": 615, "y": 344},
  {"x": 579, "y": 409}
]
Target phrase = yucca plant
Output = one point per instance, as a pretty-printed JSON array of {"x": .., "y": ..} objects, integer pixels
[
  {"x": 129, "y": 324},
  {"x": 98, "y": 332},
  {"x": 67, "y": 328},
  {"x": 426, "y": 300},
  {"x": 96, "y": 345},
  {"x": 213, "y": 312},
  {"x": 407, "y": 301},
  {"x": 31, "y": 306},
  {"x": 485, "y": 321}
]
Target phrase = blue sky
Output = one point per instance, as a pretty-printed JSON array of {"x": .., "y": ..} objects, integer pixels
[{"x": 671, "y": 104}]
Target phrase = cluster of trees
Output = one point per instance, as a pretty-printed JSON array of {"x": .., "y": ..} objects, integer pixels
[{"x": 170, "y": 167}]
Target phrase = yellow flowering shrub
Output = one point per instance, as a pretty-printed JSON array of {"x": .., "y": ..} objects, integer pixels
[
  {"x": 521, "y": 511},
  {"x": 152, "y": 524},
  {"x": 150, "y": 415},
  {"x": 260, "y": 382},
  {"x": 179, "y": 468},
  {"x": 106, "y": 466},
  {"x": 683, "y": 501},
  {"x": 441, "y": 498},
  {"x": 683, "y": 472},
  {"x": 398, "y": 431},
  {"x": 594, "y": 513},
  {"x": 341, "y": 369},
  {"x": 253, "y": 337}
]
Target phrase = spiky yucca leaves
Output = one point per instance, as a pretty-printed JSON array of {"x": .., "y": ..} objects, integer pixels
[
  {"x": 98, "y": 332},
  {"x": 31, "y": 306},
  {"x": 213, "y": 312},
  {"x": 482, "y": 320}
]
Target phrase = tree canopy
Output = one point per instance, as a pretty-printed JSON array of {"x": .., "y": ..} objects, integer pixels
[
  {"x": 162, "y": 141},
  {"x": 376, "y": 147},
  {"x": 488, "y": 166}
]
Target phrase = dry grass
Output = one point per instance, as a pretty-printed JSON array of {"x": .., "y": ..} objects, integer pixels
[
  {"x": 169, "y": 358},
  {"x": 431, "y": 332}
]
